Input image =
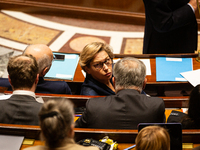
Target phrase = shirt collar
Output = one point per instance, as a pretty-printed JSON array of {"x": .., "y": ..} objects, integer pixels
[{"x": 24, "y": 92}]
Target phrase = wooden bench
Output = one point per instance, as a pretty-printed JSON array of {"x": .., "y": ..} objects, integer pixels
[
  {"x": 80, "y": 100},
  {"x": 125, "y": 138}
]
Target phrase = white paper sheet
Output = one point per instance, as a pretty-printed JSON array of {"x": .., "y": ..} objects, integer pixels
[
  {"x": 3, "y": 97},
  {"x": 145, "y": 61},
  {"x": 193, "y": 77}
]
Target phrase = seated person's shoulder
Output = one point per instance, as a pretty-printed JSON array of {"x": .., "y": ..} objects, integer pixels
[
  {"x": 88, "y": 91},
  {"x": 4, "y": 82},
  {"x": 175, "y": 116},
  {"x": 54, "y": 87}
]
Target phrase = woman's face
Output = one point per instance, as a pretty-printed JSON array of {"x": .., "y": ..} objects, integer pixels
[{"x": 101, "y": 67}]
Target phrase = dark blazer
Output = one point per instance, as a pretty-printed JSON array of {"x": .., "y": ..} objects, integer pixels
[
  {"x": 170, "y": 27},
  {"x": 20, "y": 109},
  {"x": 175, "y": 117},
  {"x": 93, "y": 87},
  {"x": 43, "y": 86},
  {"x": 187, "y": 123},
  {"x": 125, "y": 110},
  {"x": 54, "y": 87}
]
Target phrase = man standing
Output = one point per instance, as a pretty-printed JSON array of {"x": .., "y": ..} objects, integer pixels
[
  {"x": 128, "y": 107},
  {"x": 21, "y": 107},
  {"x": 170, "y": 27}
]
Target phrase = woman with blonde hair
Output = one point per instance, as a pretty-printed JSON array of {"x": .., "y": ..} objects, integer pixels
[
  {"x": 152, "y": 138},
  {"x": 96, "y": 61},
  {"x": 57, "y": 126}
]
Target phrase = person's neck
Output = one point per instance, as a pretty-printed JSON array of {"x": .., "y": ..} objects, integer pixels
[
  {"x": 133, "y": 88},
  {"x": 32, "y": 89}
]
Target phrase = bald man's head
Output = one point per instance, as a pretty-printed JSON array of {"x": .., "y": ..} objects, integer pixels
[{"x": 43, "y": 55}]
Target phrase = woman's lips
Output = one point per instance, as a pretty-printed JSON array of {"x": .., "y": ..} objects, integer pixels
[{"x": 108, "y": 74}]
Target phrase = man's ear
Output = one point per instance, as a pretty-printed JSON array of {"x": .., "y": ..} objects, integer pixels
[
  {"x": 144, "y": 83},
  {"x": 87, "y": 70},
  {"x": 37, "y": 79},
  {"x": 44, "y": 71},
  {"x": 9, "y": 80}
]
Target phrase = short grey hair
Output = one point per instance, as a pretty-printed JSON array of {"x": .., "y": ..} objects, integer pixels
[
  {"x": 129, "y": 72},
  {"x": 43, "y": 62}
]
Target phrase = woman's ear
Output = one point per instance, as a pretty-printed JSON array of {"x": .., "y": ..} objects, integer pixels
[{"x": 87, "y": 70}]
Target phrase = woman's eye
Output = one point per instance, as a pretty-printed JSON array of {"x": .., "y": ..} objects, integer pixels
[{"x": 96, "y": 65}]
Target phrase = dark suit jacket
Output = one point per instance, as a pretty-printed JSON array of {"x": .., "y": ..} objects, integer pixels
[
  {"x": 93, "y": 87},
  {"x": 184, "y": 119},
  {"x": 170, "y": 27},
  {"x": 43, "y": 86},
  {"x": 20, "y": 109},
  {"x": 125, "y": 110},
  {"x": 54, "y": 87}
]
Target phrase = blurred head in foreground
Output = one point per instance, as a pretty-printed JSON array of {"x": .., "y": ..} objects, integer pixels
[
  {"x": 57, "y": 122},
  {"x": 152, "y": 138}
]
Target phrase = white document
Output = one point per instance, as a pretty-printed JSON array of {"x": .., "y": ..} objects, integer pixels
[
  {"x": 192, "y": 76},
  {"x": 9, "y": 142},
  {"x": 148, "y": 66},
  {"x": 84, "y": 73},
  {"x": 145, "y": 61},
  {"x": 3, "y": 97}
]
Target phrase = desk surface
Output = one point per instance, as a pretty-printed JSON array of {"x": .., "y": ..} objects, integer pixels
[
  {"x": 121, "y": 146},
  {"x": 151, "y": 79}
]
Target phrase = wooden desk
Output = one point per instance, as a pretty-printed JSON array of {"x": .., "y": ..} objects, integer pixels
[
  {"x": 151, "y": 79},
  {"x": 75, "y": 85},
  {"x": 125, "y": 138}
]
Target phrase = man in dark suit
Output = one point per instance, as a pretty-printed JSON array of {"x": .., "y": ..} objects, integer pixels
[
  {"x": 21, "y": 107},
  {"x": 170, "y": 27},
  {"x": 128, "y": 107},
  {"x": 44, "y": 57}
]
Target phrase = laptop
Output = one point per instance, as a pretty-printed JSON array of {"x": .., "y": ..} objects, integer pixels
[{"x": 174, "y": 130}]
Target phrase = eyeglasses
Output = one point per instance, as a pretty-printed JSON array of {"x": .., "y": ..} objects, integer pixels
[{"x": 107, "y": 62}]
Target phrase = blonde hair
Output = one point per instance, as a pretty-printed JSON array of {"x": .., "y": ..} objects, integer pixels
[
  {"x": 153, "y": 138},
  {"x": 56, "y": 118},
  {"x": 90, "y": 50}
]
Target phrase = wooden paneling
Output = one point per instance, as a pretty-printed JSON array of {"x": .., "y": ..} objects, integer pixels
[{"x": 112, "y": 10}]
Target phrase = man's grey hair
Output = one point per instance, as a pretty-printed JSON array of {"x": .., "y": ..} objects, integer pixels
[
  {"x": 129, "y": 72},
  {"x": 43, "y": 62}
]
